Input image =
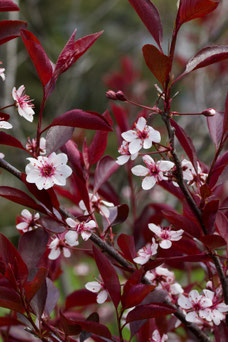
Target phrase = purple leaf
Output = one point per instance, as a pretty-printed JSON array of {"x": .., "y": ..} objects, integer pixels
[
  {"x": 219, "y": 168},
  {"x": 10, "y": 299},
  {"x": 10, "y": 29},
  {"x": 57, "y": 136},
  {"x": 225, "y": 121},
  {"x": 149, "y": 311},
  {"x": 73, "y": 51},
  {"x": 109, "y": 276},
  {"x": 33, "y": 286},
  {"x": 117, "y": 215},
  {"x": 207, "y": 56},
  {"x": 6, "y": 139},
  {"x": 186, "y": 143},
  {"x": 52, "y": 297},
  {"x": 127, "y": 245},
  {"x": 221, "y": 223},
  {"x": 52, "y": 225},
  {"x": 39, "y": 300},
  {"x": 215, "y": 125},
  {"x": 28, "y": 246},
  {"x": 213, "y": 241},
  {"x": 135, "y": 295},
  {"x": 8, "y": 5},
  {"x": 81, "y": 297},
  {"x": 38, "y": 56},
  {"x": 105, "y": 168},
  {"x": 157, "y": 62},
  {"x": 149, "y": 15},
  {"x": 82, "y": 119}
]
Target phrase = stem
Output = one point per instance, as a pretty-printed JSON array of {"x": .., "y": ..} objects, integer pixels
[
  {"x": 39, "y": 131},
  {"x": 119, "y": 326},
  {"x": 11, "y": 105}
]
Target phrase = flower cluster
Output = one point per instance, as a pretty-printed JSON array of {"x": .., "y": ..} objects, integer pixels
[
  {"x": 98, "y": 204},
  {"x": 83, "y": 228},
  {"x": 203, "y": 308},
  {"x": 153, "y": 172},
  {"x": 190, "y": 175},
  {"x": 144, "y": 254}
]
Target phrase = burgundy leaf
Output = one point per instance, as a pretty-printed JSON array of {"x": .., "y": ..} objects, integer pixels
[
  {"x": 52, "y": 297},
  {"x": 10, "y": 29},
  {"x": 52, "y": 225},
  {"x": 219, "y": 168},
  {"x": 6, "y": 139},
  {"x": 120, "y": 114},
  {"x": 225, "y": 121},
  {"x": 127, "y": 245},
  {"x": 81, "y": 297},
  {"x": 117, "y": 215},
  {"x": 10, "y": 299},
  {"x": 109, "y": 276},
  {"x": 38, "y": 56},
  {"x": 215, "y": 125},
  {"x": 8, "y": 5},
  {"x": 18, "y": 196},
  {"x": 39, "y": 300},
  {"x": 149, "y": 15},
  {"x": 28, "y": 246},
  {"x": 99, "y": 142},
  {"x": 213, "y": 241},
  {"x": 135, "y": 295},
  {"x": 149, "y": 311},
  {"x": 82, "y": 119},
  {"x": 105, "y": 168},
  {"x": 192, "y": 9},
  {"x": 207, "y": 56},
  {"x": 222, "y": 224},
  {"x": 57, "y": 136},
  {"x": 157, "y": 62},
  {"x": 8, "y": 321},
  {"x": 32, "y": 287},
  {"x": 186, "y": 143},
  {"x": 74, "y": 50},
  {"x": 188, "y": 258},
  {"x": 209, "y": 214},
  {"x": 12, "y": 259}
]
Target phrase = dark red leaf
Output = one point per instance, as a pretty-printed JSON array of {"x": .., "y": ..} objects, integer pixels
[
  {"x": 207, "y": 56},
  {"x": 20, "y": 197},
  {"x": 12, "y": 259},
  {"x": 56, "y": 137},
  {"x": 135, "y": 295},
  {"x": 149, "y": 311},
  {"x": 222, "y": 226},
  {"x": 117, "y": 215},
  {"x": 99, "y": 142},
  {"x": 52, "y": 297},
  {"x": 10, "y": 29},
  {"x": 31, "y": 287},
  {"x": 109, "y": 276},
  {"x": 219, "y": 168},
  {"x": 6, "y": 139},
  {"x": 209, "y": 213},
  {"x": 28, "y": 246},
  {"x": 215, "y": 126},
  {"x": 120, "y": 114},
  {"x": 192, "y": 9},
  {"x": 186, "y": 143},
  {"x": 8, "y": 5},
  {"x": 157, "y": 62},
  {"x": 4, "y": 116},
  {"x": 74, "y": 50},
  {"x": 39, "y": 300},
  {"x": 82, "y": 119},
  {"x": 38, "y": 56},
  {"x": 10, "y": 299},
  {"x": 81, "y": 297},
  {"x": 149, "y": 15},
  {"x": 182, "y": 222},
  {"x": 188, "y": 258},
  {"x": 8, "y": 321},
  {"x": 213, "y": 241},
  {"x": 127, "y": 245},
  {"x": 225, "y": 121},
  {"x": 105, "y": 168},
  {"x": 52, "y": 225}
]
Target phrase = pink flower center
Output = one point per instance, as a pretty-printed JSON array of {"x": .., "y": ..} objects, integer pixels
[
  {"x": 24, "y": 101},
  {"x": 47, "y": 171},
  {"x": 142, "y": 135}
]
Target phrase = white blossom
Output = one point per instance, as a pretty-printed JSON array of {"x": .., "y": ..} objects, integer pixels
[
  {"x": 23, "y": 103},
  {"x": 166, "y": 235},
  {"x": 2, "y": 73},
  {"x": 98, "y": 204},
  {"x": 47, "y": 171},
  {"x": 153, "y": 172},
  {"x": 28, "y": 221},
  {"x": 215, "y": 313},
  {"x": 99, "y": 288},
  {"x": 83, "y": 228},
  {"x": 142, "y": 136},
  {"x": 57, "y": 248},
  {"x": 156, "y": 337},
  {"x": 125, "y": 154},
  {"x": 144, "y": 254}
]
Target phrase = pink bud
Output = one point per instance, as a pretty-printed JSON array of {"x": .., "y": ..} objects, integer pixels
[
  {"x": 120, "y": 96},
  {"x": 209, "y": 112},
  {"x": 110, "y": 94}
]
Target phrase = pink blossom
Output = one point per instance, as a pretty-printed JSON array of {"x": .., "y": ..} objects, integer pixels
[
  {"x": 98, "y": 204},
  {"x": 47, "y": 171},
  {"x": 23, "y": 103},
  {"x": 142, "y": 136},
  {"x": 99, "y": 288},
  {"x": 57, "y": 247},
  {"x": 144, "y": 254},
  {"x": 166, "y": 235},
  {"x": 189, "y": 173},
  {"x": 125, "y": 154},
  {"x": 154, "y": 172},
  {"x": 28, "y": 221},
  {"x": 83, "y": 228},
  {"x": 194, "y": 305},
  {"x": 156, "y": 337},
  {"x": 215, "y": 313},
  {"x": 2, "y": 73}
]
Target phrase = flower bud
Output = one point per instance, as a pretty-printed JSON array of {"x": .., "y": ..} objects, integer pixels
[
  {"x": 110, "y": 94},
  {"x": 120, "y": 96},
  {"x": 209, "y": 112}
]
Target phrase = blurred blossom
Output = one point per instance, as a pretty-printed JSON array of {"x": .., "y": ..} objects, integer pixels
[
  {"x": 166, "y": 235},
  {"x": 82, "y": 269}
]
